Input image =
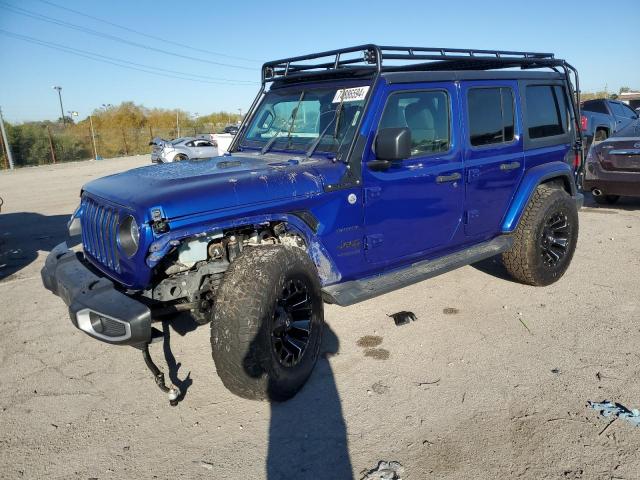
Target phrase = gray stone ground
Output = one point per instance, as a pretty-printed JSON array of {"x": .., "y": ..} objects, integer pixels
[{"x": 465, "y": 391}]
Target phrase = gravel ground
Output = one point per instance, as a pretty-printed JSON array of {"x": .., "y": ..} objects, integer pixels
[{"x": 490, "y": 381}]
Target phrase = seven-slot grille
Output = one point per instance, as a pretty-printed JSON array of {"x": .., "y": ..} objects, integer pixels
[{"x": 99, "y": 232}]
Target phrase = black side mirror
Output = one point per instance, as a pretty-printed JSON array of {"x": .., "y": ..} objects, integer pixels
[{"x": 392, "y": 144}]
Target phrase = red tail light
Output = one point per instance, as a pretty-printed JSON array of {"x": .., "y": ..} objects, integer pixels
[
  {"x": 576, "y": 159},
  {"x": 583, "y": 122}
]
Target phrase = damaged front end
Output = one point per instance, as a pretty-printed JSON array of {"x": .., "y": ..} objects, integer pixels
[{"x": 185, "y": 278}]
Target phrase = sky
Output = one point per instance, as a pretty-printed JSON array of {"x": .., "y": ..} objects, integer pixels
[{"x": 219, "y": 46}]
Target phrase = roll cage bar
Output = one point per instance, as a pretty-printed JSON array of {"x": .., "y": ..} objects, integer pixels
[{"x": 373, "y": 60}]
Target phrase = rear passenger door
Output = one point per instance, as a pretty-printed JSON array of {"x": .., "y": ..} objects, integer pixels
[{"x": 493, "y": 153}]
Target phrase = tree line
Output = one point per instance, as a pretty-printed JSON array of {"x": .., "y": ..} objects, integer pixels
[{"x": 125, "y": 129}]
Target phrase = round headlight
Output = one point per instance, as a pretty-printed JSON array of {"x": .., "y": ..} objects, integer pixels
[{"x": 129, "y": 236}]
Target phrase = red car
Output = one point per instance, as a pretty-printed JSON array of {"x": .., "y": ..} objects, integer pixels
[{"x": 613, "y": 169}]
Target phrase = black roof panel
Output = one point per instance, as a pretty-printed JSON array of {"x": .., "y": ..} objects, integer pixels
[{"x": 436, "y": 76}]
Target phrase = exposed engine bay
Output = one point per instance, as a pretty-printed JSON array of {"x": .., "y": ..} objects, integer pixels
[{"x": 189, "y": 275}]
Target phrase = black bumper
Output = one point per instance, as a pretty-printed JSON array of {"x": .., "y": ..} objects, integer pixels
[{"x": 95, "y": 306}]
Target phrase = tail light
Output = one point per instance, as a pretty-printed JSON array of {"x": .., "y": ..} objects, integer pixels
[
  {"x": 583, "y": 123},
  {"x": 214, "y": 143},
  {"x": 576, "y": 159}
]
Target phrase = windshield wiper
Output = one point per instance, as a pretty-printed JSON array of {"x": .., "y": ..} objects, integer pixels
[
  {"x": 294, "y": 114},
  {"x": 292, "y": 119},
  {"x": 336, "y": 119}
]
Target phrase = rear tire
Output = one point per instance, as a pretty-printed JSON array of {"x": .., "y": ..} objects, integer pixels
[
  {"x": 267, "y": 323},
  {"x": 600, "y": 135},
  {"x": 606, "y": 199},
  {"x": 545, "y": 239},
  {"x": 180, "y": 157}
]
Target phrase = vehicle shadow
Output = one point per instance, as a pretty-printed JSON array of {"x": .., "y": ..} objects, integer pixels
[
  {"x": 493, "y": 266},
  {"x": 22, "y": 234},
  {"x": 182, "y": 325},
  {"x": 625, "y": 203},
  {"x": 308, "y": 434}
]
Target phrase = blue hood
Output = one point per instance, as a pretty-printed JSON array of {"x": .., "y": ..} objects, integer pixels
[{"x": 196, "y": 186}]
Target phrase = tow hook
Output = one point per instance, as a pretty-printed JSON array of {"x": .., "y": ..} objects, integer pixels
[{"x": 172, "y": 391}]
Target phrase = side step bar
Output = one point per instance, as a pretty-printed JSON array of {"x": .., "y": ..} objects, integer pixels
[{"x": 348, "y": 293}]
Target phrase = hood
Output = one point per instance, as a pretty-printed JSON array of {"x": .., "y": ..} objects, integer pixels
[{"x": 196, "y": 186}]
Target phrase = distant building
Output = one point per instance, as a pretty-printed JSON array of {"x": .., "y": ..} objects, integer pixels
[{"x": 630, "y": 98}]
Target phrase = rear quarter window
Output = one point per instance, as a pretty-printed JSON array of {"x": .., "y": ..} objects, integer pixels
[
  {"x": 546, "y": 111},
  {"x": 596, "y": 106}
]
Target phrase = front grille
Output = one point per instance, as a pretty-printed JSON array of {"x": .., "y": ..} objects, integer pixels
[{"x": 99, "y": 232}]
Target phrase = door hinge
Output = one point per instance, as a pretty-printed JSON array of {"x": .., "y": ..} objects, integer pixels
[
  {"x": 373, "y": 241},
  {"x": 371, "y": 193},
  {"x": 471, "y": 216},
  {"x": 473, "y": 174}
]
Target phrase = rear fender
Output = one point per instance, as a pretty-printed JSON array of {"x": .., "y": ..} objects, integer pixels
[{"x": 532, "y": 178}]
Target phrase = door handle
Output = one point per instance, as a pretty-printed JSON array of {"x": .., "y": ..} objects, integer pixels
[
  {"x": 448, "y": 178},
  {"x": 509, "y": 166}
]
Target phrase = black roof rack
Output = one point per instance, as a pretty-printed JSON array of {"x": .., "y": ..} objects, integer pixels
[
  {"x": 373, "y": 60},
  {"x": 377, "y": 59}
]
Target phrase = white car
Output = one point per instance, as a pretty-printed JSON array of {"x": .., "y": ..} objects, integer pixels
[{"x": 185, "y": 148}]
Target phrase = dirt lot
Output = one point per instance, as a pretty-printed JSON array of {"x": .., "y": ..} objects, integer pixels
[{"x": 490, "y": 381}]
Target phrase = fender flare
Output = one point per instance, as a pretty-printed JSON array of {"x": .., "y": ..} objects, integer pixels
[{"x": 532, "y": 178}]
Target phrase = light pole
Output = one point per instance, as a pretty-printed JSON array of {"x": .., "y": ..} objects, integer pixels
[
  {"x": 6, "y": 141},
  {"x": 93, "y": 139},
  {"x": 195, "y": 123},
  {"x": 59, "y": 89}
]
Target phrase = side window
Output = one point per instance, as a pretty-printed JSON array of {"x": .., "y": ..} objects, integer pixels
[
  {"x": 596, "y": 106},
  {"x": 189, "y": 144},
  {"x": 546, "y": 113},
  {"x": 627, "y": 111},
  {"x": 426, "y": 114},
  {"x": 564, "y": 107},
  {"x": 618, "y": 111},
  {"x": 491, "y": 117},
  {"x": 631, "y": 112}
]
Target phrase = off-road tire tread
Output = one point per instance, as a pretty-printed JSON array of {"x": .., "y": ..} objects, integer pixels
[
  {"x": 518, "y": 260},
  {"x": 240, "y": 302}
]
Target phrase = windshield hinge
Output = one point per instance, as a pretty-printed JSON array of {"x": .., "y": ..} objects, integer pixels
[{"x": 159, "y": 222}]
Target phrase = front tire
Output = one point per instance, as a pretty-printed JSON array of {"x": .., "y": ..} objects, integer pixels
[
  {"x": 267, "y": 323},
  {"x": 545, "y": 239}
]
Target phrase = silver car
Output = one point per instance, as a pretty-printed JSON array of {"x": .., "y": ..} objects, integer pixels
[{"x": 184, "y": 148}]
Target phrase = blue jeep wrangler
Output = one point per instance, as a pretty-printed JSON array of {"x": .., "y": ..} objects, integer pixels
[{"x": 355, "y": 172}]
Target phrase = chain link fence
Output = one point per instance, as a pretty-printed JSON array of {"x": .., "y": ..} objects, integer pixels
[{"x": 35, "y": 144}]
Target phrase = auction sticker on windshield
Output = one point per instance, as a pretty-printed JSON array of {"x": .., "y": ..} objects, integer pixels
[{"x": 351, "y": 94}]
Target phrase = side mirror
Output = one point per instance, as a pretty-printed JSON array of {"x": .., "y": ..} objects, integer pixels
[{"x": 392, "y": 144}]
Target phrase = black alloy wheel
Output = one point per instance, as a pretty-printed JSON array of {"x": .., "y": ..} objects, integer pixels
[
  {"x": 554, "y": 241},
  {"x": 292, "y": 323}
]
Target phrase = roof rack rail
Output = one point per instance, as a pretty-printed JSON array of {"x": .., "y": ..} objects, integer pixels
[{"x": 376, "y": 59}]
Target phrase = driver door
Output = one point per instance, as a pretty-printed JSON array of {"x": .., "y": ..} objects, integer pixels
[{"x": 415, "y": 206}]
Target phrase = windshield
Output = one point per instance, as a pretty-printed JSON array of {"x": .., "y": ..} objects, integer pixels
[{"x": 306, "y": 119}]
